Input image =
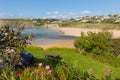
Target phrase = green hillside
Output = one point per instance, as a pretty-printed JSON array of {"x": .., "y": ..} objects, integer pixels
[{"x": 72, "y": 56}]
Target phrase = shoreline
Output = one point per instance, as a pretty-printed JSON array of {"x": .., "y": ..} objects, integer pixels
[
  {"x": 76, "y": 31},
  {"x": 68, "y": 43},
  {"x": 60, "y": 44},
  {"x": 49, "y": 43}
]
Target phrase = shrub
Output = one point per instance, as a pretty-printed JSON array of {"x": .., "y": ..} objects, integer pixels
[
  {"x": 12, "y": 43},
  {"x": 67, "y": 71},
  {"x": 108, "y": 21},
  {"x": 63, "y": 71},
  {"x": 116, "y": 46},
  {"x": 97, "y": 43},
  {"x": 51, "y": 59}
]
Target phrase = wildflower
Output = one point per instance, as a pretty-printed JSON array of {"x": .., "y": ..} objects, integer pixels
[
  {"x": 40, "y": 64},
  {"x": 47, "y": 67},
  {"x": 49, "y": 71}
]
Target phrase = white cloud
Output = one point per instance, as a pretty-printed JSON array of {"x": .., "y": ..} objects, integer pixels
[
  {"x": 115, "y": 12},
  {"x": 2, "y": 15},
  {"x": 48, "y": 13},
  {"x": 72, "y": 13},
  {"x": 5, "y": 15},
  {"x": 53, "y": 13},
  {"x": 56, "y": 12},
  {"x": 85, "y": 12},
  {"x": 99, "y": 12},
  {"x": 54, "y": 16},
  {"x": 8, "y": 15}
]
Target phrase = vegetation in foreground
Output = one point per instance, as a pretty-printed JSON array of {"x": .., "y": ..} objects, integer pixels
[
  {"x": 100, "y": 46},
  {"x": 73, "y": 66},
  {"x": 84, "y": 63},
  {"x": 12, "y": 43}
]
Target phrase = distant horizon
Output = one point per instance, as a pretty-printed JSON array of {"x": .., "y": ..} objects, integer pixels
[
  {"x": 56, "y": 18},
  {"x": 57, "y": 8}
]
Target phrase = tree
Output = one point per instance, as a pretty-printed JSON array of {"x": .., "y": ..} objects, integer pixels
[
  {"x": 12, "y": 43},
  {"x": 97, "y": 43}
]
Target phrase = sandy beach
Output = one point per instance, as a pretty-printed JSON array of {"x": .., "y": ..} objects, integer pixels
[
  {"x": 60, "y": 44},
  {"x": 76, "y": 31},
  {"x": 71, "y": 32}
]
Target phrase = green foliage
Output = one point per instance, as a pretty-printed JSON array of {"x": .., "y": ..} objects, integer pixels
[
  {"x": 108, "y": 58},
  {"x": 96, "y": 62},
  {"x": 51, "y": 59},
  {"x": 108, "y": 21},
  {"x": 67, "y": 71},
  {"x": 29, "y": 74},
  {"x": 63, "y": 71},
  {"x": 101, "y": 45},
  {"x": 8, "y": 74},
  {"x": 41, "y": 22},
  {"x": 116, "y": 47},
  {"x": 12, "y": 43},
  {"x": 97, "y": 43}
]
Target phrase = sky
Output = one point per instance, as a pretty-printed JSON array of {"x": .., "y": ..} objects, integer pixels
[{"x": 57, "y": 8}]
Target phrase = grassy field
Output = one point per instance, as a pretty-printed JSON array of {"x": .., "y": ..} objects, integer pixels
[
  {"x": 89, "y": 25},
  {"x": 72, "y": 56}
]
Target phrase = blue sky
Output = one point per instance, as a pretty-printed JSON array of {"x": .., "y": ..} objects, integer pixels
[{"x": 57, "y": 8}]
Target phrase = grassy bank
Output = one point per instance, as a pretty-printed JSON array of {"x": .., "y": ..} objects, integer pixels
[
  {"x": 77, "y": 24},
  {"x": 72, "y": 56}
]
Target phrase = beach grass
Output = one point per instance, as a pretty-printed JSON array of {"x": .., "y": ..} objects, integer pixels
[{"x": 81, "y": 61}]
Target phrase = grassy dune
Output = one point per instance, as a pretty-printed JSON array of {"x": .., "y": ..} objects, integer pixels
[
  {"x": 77, "y": 59},
  {"x": 90, "y": 25}
]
